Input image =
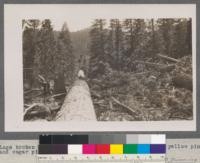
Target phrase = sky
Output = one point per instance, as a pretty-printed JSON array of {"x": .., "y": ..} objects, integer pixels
[
  {"x": 81, "y": 16},
  {"x": 73, "y": 24}
]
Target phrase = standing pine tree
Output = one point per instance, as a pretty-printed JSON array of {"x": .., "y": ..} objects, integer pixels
[
  {"x": 153, "y": 39},
  {"x": 129, "y": 36},
  {"x": 30, "y": 28},
  {"x": 115, "y": 45},
  {"x": 135, "y": 34},
  {"x": 44, "y": 59},
  {"x": 139, "y": 37},
  {"x": 166, "y": 30},
  {"x": 189, "y": 36},
  {"x": 180, "y": 44},
  {"x": 154, "y": 48},
  {"x": 65, "y": 61},
  {"x": 97, "y": 48}
]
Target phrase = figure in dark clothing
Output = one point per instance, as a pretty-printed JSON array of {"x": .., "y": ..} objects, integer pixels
[
  {"x": 59, "y": 86},
  {"x": 45, "y": 86}
]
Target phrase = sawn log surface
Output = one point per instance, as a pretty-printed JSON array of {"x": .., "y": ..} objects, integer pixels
[{"x": 77, "y": 105}]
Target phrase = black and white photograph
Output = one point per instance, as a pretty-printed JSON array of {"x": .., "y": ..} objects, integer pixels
[
  {"x": 113, "y": 70},
  {"x": 107, "y": 68}
]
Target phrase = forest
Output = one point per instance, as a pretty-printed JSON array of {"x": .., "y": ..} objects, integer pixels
[{"x": 136, "y": 69}]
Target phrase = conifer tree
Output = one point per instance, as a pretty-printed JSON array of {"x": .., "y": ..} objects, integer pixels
[
  {"x": 65, "y": 59},
  {"x": 30, "y": 30},
  {"x": 97, "y": 48},
  {"x": 135, "y": 40},
  {"x": 44, "y": 60},
  {"x": 115, "y": 45},
  {"x": 166, "y": 30},
  {"x": 180, "y": 44}
]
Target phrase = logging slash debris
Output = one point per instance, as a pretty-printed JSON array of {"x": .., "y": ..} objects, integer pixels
[{"x": 161, "y": 91}]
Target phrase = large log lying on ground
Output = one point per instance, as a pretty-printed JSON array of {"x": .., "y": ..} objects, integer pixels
[
  {"x": 182, "y": 81},
  {"x": 158, "y": 66},
  {"x": 78, "y": 104},
  {"x": 37, "y": 112},
  {"x": 168, "y": 58}
]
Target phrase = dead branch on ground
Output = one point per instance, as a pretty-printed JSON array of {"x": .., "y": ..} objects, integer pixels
[
  {"x": 168, "y": 58},
  {"x": 123, "y": 105}
]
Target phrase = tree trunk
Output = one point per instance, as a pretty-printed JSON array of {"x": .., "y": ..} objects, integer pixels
[
  {"x": 59, "y": 86},
  {"x": 182, "y": 81},
  {"x": 77, "y": 105}
]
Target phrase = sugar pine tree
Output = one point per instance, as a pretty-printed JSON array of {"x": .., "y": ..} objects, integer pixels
[
  {"x": 129, "y": 36},
  {"x": 139, "y": 37},
  {"x": 115, "y": 45},
  {"x": 30, "y": 30},
  {"x": 166, "y": 30},
  {"x": 153, "y": 38},
  {"x": 180, "y": 44},
  {"x": 154, "y": 48},
  {"x": 44, "y": 60},
  {"x": 97, "y": 48},
  {"x": 135, "y": 34},
  {"x": 189, "y": 36},
  {"x": 65, "y": 61}
]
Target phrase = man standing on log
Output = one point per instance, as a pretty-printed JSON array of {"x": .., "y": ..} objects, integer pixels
[{"x": 81, "y": 74}]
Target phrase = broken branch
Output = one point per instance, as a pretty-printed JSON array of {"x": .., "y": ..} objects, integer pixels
[
  {"x": 150, "y": 63},
  {"x": 95, "y": 94},
  {"x": 29, "y": 108},
  {"x": 124, "y": 106},
  {"x": 167, "y": 58},
  {"x": 57, "y": 95}
]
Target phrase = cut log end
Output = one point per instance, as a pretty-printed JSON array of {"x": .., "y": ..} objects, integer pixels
[{"x": 182, "y": 81}]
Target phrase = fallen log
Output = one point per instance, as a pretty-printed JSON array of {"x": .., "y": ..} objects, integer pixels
[
  {"x": 57, "y": 95},
  {"x": 167, "y": 68},
  {"x": 27, "y": 105},
  {"x": 39, "y": 94},
  {"x": 182, "y": 81},
  {"x": 134, "y": 111},
  {"x": 95, "y": 94},
  {"x": 158, "y": 66},
  {"x": 29, "y": 108},
  {"x": 140, "y": 73},
  {"x": 77, "y": 105},
  {"x": 100, "y": 104},
  {"x": 168, "y": 58},
  {"x": 150, "y": 63},
  {"x": 29, "y": 91},
  {"x": 37, "y": 111},
  {"x": 41, "y": 79},
  {"x": 123, "y": 105},
  {"x": 56, "y": 108}
]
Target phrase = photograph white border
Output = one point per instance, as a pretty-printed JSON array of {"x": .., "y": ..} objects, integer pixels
[{"x": 13, "y": 66}]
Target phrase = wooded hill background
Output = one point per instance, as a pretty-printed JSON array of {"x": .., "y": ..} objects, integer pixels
[{"x": 137, "y": 69}]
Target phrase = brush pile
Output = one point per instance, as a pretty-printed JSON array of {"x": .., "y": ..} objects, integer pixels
[{"x": 157, "y": 90}]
